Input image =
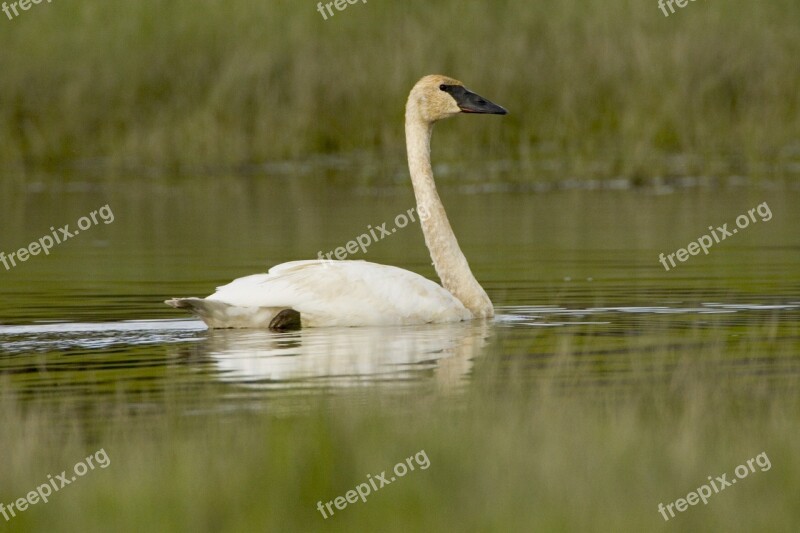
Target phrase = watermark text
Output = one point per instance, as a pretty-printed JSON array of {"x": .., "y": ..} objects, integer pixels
[
  {"x": 373, "y": 234},
  {"x": 720, "y": 483},
  {"x": 45, "y": 490},
  {"x": 719, "y": 234},
  {"x": 375, "y": 483},
  {"x": 664, "y": 4},
  {"x": 24, "y": 5},
  {"x": 340, "y": 5},
  {"x": 46, "y": 243}
]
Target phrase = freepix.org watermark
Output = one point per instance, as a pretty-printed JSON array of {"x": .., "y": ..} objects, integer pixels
[
  {"x": 340, "y": 5},
  {"x": 46, "y": 243},
  {"x": 664, "y": 4},
  {"x": 24, "y": 5},
  {"x": 376, "y": 483},
  {"x": 374, "y": 234},
  {"x": 721, "y": 233},
  {"x": 720, "y": 483},
  {"x": 54, "y": 484}
]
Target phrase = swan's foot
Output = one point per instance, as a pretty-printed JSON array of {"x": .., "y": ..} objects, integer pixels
[{"x": 286, "y": 320}]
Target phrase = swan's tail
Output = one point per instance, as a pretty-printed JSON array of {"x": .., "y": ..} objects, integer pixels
[
  {"x": 218, "y": 314},
  {"x": 207, "y": 310}
]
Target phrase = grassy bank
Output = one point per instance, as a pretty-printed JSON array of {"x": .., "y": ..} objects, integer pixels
[{"x": 594, "y": 89}]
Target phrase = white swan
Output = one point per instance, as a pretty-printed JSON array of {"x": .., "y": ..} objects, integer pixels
[{"x": 358, "y": 293}]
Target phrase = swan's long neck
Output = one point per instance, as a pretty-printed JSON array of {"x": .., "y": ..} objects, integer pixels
[{"x": 449, "y": 261}]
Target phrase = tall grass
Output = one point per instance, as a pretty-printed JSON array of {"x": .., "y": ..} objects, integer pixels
[{"x": 595, "y": 89}]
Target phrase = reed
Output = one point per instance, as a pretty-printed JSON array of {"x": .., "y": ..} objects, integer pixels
[{"x": 594, "y": 89}]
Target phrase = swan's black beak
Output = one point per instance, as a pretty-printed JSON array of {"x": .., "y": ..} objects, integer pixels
[{"x": 469, "y": 102}]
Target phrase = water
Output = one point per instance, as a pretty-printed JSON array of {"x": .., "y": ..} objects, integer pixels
[{"x": 571, "y": 271}]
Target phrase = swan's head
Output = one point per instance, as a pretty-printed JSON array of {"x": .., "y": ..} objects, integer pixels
[{"x": 436, "y": 97}]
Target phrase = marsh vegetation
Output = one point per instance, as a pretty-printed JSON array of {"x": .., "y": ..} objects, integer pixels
[{"x": 595, "y": 90}]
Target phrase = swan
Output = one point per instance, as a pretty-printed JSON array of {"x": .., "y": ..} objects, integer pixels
[{"x": 325, "y": 293}]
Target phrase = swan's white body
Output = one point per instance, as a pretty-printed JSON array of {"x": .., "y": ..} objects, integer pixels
[
  {"x": 359, "y": 293},
  {"x": 334, "y": 293}
]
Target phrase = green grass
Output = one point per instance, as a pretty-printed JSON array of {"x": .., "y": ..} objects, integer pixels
[
  {"x": 595, "y": 90},
  {"x": 505, "y": 454}
]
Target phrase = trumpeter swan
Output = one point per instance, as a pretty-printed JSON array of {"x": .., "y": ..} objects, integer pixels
[{"x": 358, "y": 293}]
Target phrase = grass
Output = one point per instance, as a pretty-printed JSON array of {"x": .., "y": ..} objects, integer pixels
[
  {"x": 596, "y": 90},
  {"x": 505, "y": 454}
]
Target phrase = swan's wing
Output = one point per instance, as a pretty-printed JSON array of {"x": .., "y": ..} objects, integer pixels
[{"x": 345, "y": 293}]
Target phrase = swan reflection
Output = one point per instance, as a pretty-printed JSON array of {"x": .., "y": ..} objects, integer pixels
[{"x": 346, "y": 356}]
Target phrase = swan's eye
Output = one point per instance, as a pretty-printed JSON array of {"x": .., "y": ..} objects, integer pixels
[{"x": 443, "y": 87}]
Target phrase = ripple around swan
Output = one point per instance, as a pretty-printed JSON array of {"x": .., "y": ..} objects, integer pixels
[
  {"x": 62, "y": 336},
  {"x": 252, "y": 358},
  {"x": 52, "y": 336},
  {"x": 47, "y": 353},
  {"x": 94, "y": 327},
  {"x": 541, "y": 315}
]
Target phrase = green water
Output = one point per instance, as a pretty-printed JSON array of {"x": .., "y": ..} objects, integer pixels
[{"x": 568, "y": 269}]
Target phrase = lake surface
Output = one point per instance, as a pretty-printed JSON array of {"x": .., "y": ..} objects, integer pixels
[{"x": 571, "y": 270}]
